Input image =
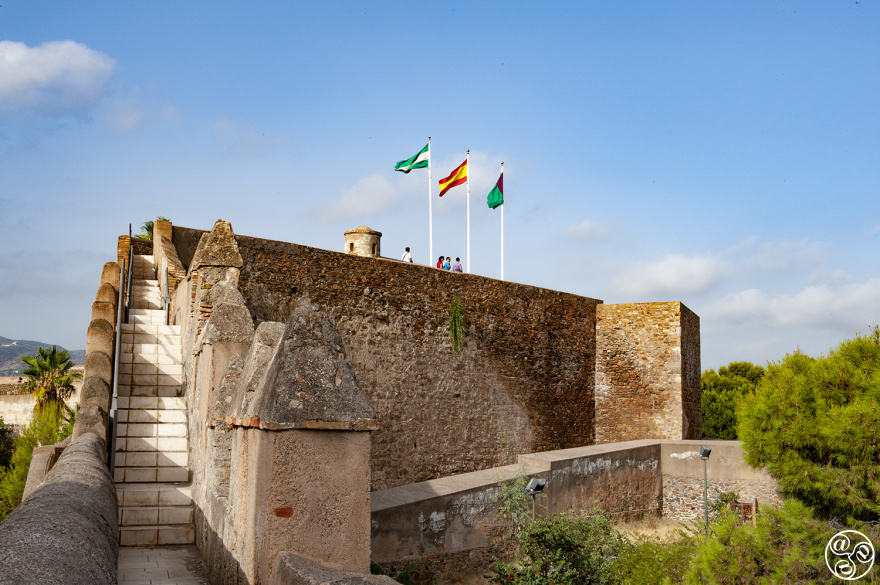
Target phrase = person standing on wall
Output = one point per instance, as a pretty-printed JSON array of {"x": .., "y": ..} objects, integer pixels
[
  {"x": 440, "y": 263},
  {"x": 448, "y": 264},
  {"x": 456, "y": 266},
  {"x": 407, "y": 257}
]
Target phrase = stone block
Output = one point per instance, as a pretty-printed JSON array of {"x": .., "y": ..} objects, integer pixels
[
  {"x": 110, "y": 275},
  {"x": 105, "y": 311},
  {"x": 91, "y": 419},
  {"x": 95, "y": 392},
  {"x": 99, "y": 365},
  {"x": 106, "y": 294},
  {"x": 99, "y": 337}
]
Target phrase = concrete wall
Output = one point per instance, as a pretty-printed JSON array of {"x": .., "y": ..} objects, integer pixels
[
  {"x": 647, "y": 372},
  {"x": 726, "y": 471},
  {"x": 451, "y": 525}
]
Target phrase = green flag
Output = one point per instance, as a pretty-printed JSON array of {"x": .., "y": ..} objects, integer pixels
[
  {"x": 496, "y": 196},
  {"x": 418, "y": 161}
]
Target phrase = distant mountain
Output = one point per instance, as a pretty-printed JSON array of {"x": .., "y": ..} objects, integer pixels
[{"x": 13, "y": 349}]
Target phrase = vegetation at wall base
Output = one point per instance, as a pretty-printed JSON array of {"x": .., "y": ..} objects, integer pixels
[
  {"x": 721, "y": 395},
  {"x": 7, "y": 443},
  {"x": 814, "y": 425},
  {"x": 51, "y": 424},
  {"x": 565, "y": 549}
]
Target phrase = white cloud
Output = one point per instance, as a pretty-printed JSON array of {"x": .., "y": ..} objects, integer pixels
[
  {"x": 126, "y": 115},
  {"x": 368, "y": 195},
  {"x": 779, "y": 256},
  {"x": 671, "y": 275},
  {"x": 248, "y": 140},
  {"x": 55, "y": 78},
  {"x": 588, "y": 230},
  {"x": 851, "y": 306}
]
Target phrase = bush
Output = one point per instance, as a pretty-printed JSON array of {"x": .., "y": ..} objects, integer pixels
[
  {"x": 722, "y": 394},
  {"x": 51, "y": 424},
  {"x": 786, "y": 546},
  {"x": 655, "y": 560},
  {"x": 814, "y": 424},
  {"x": 563, "y": 550}
]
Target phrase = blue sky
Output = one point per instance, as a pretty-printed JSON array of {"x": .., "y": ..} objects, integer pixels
[{"x": 724, "y": 154}]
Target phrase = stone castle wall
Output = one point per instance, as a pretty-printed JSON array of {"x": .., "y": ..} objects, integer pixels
[
  {"x": 524, "y": 380},
  {"x": 647, "y": 372}
]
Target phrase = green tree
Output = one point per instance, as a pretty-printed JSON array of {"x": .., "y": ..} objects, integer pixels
[
  {"x": 7, "y": 443},
  {"x": 722, "y": 394},
  {"x": 147, "y": 228},
  {"x": 49, "y": 377},
  {"x": 564, "y": 550},
  {"x": 51, "y": 424},
  {"x": 814, "y": 425}
]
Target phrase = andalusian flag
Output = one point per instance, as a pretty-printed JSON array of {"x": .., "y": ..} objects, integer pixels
[
  {"x": 455, "y": 178},
  {"x": 496, "y": 196},
  {"x": 418, "y": 161}
]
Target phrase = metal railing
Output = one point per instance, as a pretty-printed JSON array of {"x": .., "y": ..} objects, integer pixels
[
  {"x": 165, "y": 302},
  {"x": 111, "y": 440}
]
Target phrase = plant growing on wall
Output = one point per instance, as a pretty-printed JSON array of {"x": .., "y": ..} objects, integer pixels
[{"x": 456, "y": 327}]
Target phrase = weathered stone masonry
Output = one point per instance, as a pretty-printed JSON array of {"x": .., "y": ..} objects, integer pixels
[{"x": 524, "y": 381}]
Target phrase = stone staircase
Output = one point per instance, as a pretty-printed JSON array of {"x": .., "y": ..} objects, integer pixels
[{"x": 151, "y": 473}]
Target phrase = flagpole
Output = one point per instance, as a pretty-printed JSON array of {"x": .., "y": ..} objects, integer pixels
[
  {"x": 502, "y": 229},
  {"x": 430, "y": 213},
  {"x": 468, "y": 159}
]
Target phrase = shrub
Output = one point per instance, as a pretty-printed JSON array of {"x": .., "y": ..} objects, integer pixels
[
  {"x": 563, "y": 550},
  {"x": 51, "y": 424},
  {"x": 656, "y": 560},
  {"x": 787, "y": 545}
]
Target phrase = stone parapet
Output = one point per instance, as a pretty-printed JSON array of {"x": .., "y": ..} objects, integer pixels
[{"x": 66, "y": 531}]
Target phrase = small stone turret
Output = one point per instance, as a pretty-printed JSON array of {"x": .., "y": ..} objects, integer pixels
[{"x": 363, "y": 241}]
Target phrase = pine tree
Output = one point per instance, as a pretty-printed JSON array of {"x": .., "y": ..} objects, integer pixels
[
  {"x": 814, "y": 424},
  {"x": 722, "y": 394}
]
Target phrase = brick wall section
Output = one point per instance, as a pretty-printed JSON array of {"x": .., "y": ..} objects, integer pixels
[
  {"x": 522, "y": 383},
  {"x": 647, "y": 372}
]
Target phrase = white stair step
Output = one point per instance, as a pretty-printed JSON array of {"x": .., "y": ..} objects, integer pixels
[
  {"x": 155, "y": 515},
  {"x": 151, "y": 402},
  {"x": 152, "y": 459},
  {"x": 150, "y": 430},
  {"x": 151, "y": 474},
  {"x": 157, "y": 535},
  {"x": 151, "y": 444},
  {"x": 154, "y": 494}
]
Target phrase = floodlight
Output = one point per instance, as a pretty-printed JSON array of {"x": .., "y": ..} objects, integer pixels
[
  {"x": 536, "y": 485},
  {"x": 705, "y": 451}
]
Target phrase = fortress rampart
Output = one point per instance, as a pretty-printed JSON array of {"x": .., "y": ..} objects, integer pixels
[{"x": 525, "y": 380}]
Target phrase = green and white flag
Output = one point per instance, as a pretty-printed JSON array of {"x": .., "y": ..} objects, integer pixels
[{"x": 418, "y": 161}]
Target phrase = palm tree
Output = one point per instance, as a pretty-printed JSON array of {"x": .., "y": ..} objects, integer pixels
[
  {"x": 48, "y": 376},
  {"x": 147, "y": 228}
]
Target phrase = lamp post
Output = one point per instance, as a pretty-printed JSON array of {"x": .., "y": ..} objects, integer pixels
[
  {"x": 705, "y": 451},
  {"x": 535, "y": 486}
]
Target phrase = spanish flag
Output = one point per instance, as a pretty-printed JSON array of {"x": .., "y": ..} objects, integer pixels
[{"x": 455, "y": 178}]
